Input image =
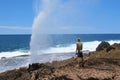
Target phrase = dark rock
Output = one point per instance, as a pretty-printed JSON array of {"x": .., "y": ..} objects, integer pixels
[
  {"x": 116, "y": 45},
  {"x": 3, "y": 58},
  {"x": 110, "y": 48},
  {"x": 91, "y": 78},
  {"x": 64, "y": 77},
  {"x": 35, "y": 66},
  {"x": 102, "y": 46}
]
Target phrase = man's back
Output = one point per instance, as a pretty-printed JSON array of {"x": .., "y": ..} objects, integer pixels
[{"x": 79, "y": 45}]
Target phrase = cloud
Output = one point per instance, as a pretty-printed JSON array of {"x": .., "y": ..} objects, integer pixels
[
  {"x": 75, "y": 28},
  {"x": 15, "y": 27}
]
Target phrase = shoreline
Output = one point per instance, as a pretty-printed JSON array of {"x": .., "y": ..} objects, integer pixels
[{"x": 98, "y": 65}]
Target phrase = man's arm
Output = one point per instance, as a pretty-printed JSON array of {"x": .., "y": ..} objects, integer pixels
[
  {"x": 76, "y": 47},
  {"x": 81, "y": 46}
]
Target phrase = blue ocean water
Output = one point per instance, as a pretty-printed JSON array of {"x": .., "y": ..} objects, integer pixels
[
  {"x": 61, "y": 46},
  {"x": 14, "y": 42},
  {"x": 21, "y": 42}
]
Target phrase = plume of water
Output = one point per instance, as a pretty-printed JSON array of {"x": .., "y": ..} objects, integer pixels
[
  {"x": 52, "y": 16},
  {"x": 39, "y": 36}
]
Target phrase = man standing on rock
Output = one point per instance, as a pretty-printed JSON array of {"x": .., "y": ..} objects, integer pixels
[{"x": 79, "y": 53}]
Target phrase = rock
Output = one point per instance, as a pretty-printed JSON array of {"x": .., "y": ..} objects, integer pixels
[
  {"x": 95, "y": 69},
  {"x": 63, "y": 77},
  {"x": 110, "y": 48},
  {"x": 3, "y": 58},
  {"x": 36, "y": 66},
  {"x": 33, "y": 66},
  {"x": 116, "y": 45},
  {"x": 102, "y": 46}
]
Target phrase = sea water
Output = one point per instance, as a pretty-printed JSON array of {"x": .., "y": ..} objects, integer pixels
[{"x": 62, "y": 46}]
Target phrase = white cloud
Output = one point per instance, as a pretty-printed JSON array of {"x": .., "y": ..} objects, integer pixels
[
  {"x": 15, "y": 27},
  {"x": 76, "y": 27}
]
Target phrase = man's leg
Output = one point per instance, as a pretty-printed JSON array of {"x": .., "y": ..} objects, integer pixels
[
  {"x": 79, "y": 61},
  {"x": 82, "y": 61}
]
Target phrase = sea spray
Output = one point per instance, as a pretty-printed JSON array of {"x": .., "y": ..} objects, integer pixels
[
  {"x": 40, "y": 39},
  {"x": 54, "y": 17}
]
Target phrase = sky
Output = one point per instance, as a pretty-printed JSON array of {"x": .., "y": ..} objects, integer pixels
[{"x": 62, "y": 16}]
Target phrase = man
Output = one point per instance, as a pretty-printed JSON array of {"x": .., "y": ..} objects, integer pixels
[{"x": 79, "y": 53}]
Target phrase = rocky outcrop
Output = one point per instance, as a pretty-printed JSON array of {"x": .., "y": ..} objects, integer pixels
[
  {"x": 35, "y": 71},
  {"x": 113, "y": 47},
  {"x": 94, "y": 69},
  {"x": 102, "y": 46},
  {"x": 116, "y": 45},
  {"x": 110, "y": 48}
]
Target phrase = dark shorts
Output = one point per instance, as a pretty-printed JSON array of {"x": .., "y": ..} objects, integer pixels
[{"x": 80, "y": 54}]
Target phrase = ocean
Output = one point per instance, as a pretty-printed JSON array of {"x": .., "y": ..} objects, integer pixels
[{"x": 62, "y": 46}]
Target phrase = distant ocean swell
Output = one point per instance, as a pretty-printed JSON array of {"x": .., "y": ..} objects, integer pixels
[{"x": 87, "y": 46}]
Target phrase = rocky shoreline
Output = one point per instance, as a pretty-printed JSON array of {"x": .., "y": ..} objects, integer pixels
[{"x": 103, "y": 64}]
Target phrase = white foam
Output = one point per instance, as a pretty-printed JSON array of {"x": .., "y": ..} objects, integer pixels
[
  {"x": 66, "y": 49},
  {"x": 87, "y": 46},
  {"x": 90, "y": 46},
  {"x": 12, "y": 54},
  {"x": 114, "y": 41}
]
